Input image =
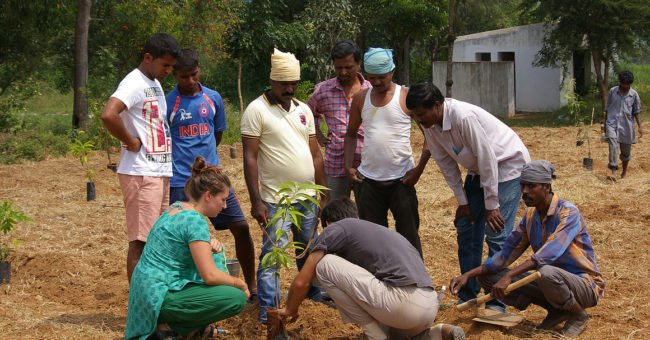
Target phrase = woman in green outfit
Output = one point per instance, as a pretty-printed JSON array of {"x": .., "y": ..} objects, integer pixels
[{"x": 180, "y": 285}]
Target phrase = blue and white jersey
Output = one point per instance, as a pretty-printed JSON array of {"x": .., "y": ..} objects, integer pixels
[{"x": 193, "y": 121}]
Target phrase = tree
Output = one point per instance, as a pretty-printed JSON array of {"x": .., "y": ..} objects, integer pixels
[
  {"x": 328, "y": 22},
  {"x": 80, "y": 106},
  {"x": 263, "y": 25},
  {"x": 397, "y": 24},
  {"x": 606, "y": 28}
]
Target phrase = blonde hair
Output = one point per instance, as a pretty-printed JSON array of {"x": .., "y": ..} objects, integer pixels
[{"x": 204, "y": 178}]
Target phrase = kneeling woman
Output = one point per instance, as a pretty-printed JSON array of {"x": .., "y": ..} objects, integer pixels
[{"x": 177, "y": 285}]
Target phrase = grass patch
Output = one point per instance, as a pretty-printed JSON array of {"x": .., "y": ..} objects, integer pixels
[{"x": 50, "y": 101}]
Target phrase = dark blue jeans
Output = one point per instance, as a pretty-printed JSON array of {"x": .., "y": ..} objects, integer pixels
[{"x": 470, "y": 236}]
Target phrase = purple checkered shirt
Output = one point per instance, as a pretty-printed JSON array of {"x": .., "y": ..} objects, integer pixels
[{"x": 329, "y": 101}]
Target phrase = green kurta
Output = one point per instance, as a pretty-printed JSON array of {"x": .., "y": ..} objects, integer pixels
[{"x": 166, "y": 265}]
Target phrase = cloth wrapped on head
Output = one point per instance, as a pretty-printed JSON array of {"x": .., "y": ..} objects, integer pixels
[
  {"x": 284, "y": 66},
  {"x": 538, "y": 171},
  {"x": 378, "y": 61}
]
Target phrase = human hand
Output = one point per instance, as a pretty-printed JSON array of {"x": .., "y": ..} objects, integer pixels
[
  {"x": 640, "y": 132},
  {"x": 260, "y": 212},
  {"x": 134, "y": 144},
  {"x": 499, "y": 288},
  {"x": 322, "y": 139},
  {"x": 285, "y": 314},
  {"x": 463, "y": 211},
  {"x": 217, "y": 247},
  {"x": 411, "y": 177},
  {"x": 354, "y": 175},
  {"x": 457, "y": 283},
  {"x": 494, "y": 220}
]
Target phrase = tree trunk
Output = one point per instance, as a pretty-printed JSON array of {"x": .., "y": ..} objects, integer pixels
[
  {"x": 601, "y": 76},
  {"x": 451, "y": 37},
  {"x": 80, "y": 117},
  {"x": 241, "y": 99},
  {"x": 403, "y": 61}
]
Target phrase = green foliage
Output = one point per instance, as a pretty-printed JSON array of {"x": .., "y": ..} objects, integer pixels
[
  {"x": 327, "y": 22},
  {"x": 304, "y": 91},
  {"x": 604, "y": 26},
  {"x": 287, "y": 194},
  {"x": 8, "y": 220},
  {"x": 81, "y": 147}
]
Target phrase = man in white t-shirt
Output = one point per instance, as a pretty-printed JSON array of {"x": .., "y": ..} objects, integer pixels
[
  {"x": 136, "y": 115},
  {"x": 280, "y": 145}
]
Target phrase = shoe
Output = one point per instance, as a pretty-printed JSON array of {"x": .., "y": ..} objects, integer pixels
[
  {"x": 253, "y": 299},
  {"x": 553, "y": 318},
  {"x": 575, "y": 324}
]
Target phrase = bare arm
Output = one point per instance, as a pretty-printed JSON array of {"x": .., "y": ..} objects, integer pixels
[
  {"x": 251, "y": 150},
  {"x": 413, "y": 175},
  {"x": 499, "y": 288},
  {"x": 115, "y": 125},
  {"x": 202, "y": 255},
  {"x": 300, "y": 286},
  {"x": 217, "y": 136},
  {"x": 319, "y": 165},
  {"x": 350, "y": 140}
]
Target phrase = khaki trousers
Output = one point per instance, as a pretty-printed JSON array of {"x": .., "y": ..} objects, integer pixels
[{"x": 381, "y": 310}]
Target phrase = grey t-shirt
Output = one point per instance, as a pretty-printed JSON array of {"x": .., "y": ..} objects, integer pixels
[
  {"x": 621, "y": 110},
  {"x": 381, "y": 251}
]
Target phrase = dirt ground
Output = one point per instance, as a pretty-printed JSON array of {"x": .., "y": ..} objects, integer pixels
[{"x": 69, "y": 277}]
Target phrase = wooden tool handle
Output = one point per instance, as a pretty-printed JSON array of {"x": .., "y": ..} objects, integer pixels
[{"x": 485, "y": 298}]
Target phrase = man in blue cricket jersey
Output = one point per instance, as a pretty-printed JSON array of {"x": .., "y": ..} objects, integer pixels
[{"x": 197, "y": 120}]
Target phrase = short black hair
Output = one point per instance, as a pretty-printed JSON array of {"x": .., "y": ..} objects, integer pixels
[
  {"x": 423, "y": 94},
  {"x": 344, "y": 48},
  {"x": 626, "y": 77},
  {"x": 160, "y": 44},
  {"x": 337, "y": 210},
  {"x": 187, "y": 60}
]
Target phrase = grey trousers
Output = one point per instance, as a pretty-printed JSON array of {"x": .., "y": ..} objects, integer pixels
[
  {"x": 555, "y": 289},
  {"x": 383, "y": 311},
  {"x": 614, "y": 148}
]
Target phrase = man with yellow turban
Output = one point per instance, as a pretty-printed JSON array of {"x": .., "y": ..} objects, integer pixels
[
  {"x": 279, "y": 140},
  {"x": 387, "y": 174}
]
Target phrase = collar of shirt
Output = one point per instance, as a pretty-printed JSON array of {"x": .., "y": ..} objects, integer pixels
[
  {"x": 552, "y": 208},
  {"x": 272, "y": 101},
  {"x": 362, "y": 81},
  {"x": 194, "y": 95},
  {"x": 446, "y": 120}
]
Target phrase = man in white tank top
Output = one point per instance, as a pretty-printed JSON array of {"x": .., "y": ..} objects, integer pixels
[{"x": 387, "y": 174}]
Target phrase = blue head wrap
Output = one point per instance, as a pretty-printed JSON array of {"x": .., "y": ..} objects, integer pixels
[{"x": 378, "y": 61}]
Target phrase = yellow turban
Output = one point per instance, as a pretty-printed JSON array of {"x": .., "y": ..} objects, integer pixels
[{"x": 284, "y": 66}]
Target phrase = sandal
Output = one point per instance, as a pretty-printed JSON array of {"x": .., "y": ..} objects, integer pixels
[{"x": 253, "y": 299}]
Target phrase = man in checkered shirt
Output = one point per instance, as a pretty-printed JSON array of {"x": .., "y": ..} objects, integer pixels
[{"x": 331, "y": 100}]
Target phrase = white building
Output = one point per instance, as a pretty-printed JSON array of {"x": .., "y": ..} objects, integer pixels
[{"x": 536, "y": 89}]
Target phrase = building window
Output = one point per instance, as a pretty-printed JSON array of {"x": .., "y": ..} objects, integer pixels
[
  {"x": 483, "y": 56},
  {"x": 506, "y": 56}
]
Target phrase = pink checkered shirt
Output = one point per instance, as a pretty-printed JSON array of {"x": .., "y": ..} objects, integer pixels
[{"x": 329, "y": 101}]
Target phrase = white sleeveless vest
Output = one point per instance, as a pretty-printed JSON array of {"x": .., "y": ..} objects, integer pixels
[{"x": 387, "y": 153}]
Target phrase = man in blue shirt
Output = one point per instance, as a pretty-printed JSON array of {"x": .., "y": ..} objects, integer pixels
[
  {"x": 563, "y": 254},
  {"x": 197, "y": 120}
]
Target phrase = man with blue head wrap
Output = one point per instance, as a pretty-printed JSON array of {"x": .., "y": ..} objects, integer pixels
[{"x": 386, "y": 177}]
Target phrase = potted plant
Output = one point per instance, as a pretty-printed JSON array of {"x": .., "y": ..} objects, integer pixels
[
  {"x": 81, "y": 149},
  {"x": 280, "y": 256},
  {"x": 8, "y": 219}
]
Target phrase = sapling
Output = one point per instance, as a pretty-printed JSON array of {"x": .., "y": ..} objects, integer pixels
[
  {"x": 81, "y": 149},
  {"x": 8, "y": 220},
  {"x": 288, "y": 194}
]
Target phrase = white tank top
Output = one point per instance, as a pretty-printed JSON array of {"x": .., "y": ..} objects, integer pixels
[{"x": 387, "y": 153}]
